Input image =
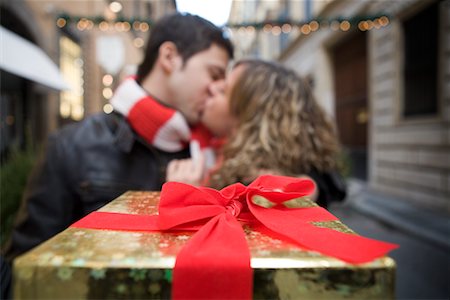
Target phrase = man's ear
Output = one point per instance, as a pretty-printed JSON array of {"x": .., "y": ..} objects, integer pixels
[{"x": 168, "y": 57}]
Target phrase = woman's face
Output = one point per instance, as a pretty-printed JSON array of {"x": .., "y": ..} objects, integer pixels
[{"x": 216, "y": 115}]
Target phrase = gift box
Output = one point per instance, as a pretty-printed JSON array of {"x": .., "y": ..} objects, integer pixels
[{"x": 83, "y": 263}]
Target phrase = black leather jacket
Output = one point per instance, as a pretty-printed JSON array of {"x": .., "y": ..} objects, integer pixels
[{"x": 85, "y": 166}]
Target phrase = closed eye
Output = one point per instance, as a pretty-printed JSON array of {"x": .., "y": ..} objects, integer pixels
[{"x": 216, "y": 73}]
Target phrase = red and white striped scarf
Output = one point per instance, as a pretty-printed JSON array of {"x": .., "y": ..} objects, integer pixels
[{"x": 159, "y": 125}]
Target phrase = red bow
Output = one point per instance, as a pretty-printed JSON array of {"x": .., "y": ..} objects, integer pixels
[{"x": 215, "y": 262}]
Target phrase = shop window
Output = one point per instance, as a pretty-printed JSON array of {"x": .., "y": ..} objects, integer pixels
[
  {"x": 71, "y": 101},
  {"x": 420, "y": 68}
]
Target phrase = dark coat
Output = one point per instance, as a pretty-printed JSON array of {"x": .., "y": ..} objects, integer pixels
[
  {"x": 85, "y": 166},
  {"x": 331, "y": 187}
]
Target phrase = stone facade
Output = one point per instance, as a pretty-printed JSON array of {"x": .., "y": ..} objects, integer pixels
[{"x": 408, "y": 157}]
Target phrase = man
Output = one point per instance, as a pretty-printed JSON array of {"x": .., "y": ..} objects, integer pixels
[{"x": 88, "y": 164}]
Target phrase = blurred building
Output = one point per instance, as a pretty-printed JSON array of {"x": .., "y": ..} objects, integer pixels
[
  {"x": 94, "y": 43},
  {"x": 381, "y": 69},
  {"x": 263, "y": 28}
]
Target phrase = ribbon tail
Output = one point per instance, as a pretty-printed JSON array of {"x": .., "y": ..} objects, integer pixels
[
  {"x": 118, "y": 221},
  {"x": 215, "y": 263},
  {"x": 351, "y": 248}
]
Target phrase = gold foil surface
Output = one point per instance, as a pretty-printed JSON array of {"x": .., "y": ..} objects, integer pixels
[{"x": 106, "y": 264}]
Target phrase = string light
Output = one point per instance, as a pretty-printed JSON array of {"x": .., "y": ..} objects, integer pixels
[
  {"x": 345, "y": 25},
  {"x": 339, "y": 23},
  {"x": 103, "y": 24},
  {"x": 335, "y": 25},
  {"x": 107, "y": 93},
  {"x": 108, "y": 108},
  {"x": 305, "y": 29},
  {"x": 61, "y": 22},
  {"x": 276, "y": 30},
  {"x": 115, "y": 7},
  {"x": 286, "y": 28},
  {"x": 138, "y": 42},
  {"x": 267, "y": 28},
  {"x": 314, "y": 26},
  {"x": 250, "y": 29},
  {"x": 363, "y": 23},
  {"x": 107, "y": 79}
]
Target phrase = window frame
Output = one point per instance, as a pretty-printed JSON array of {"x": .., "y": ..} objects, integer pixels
[
  {"x": 398, "y": 35},
  {"x": 77, "y": 91}
]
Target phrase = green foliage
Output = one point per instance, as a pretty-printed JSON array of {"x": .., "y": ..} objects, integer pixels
[
  {"x": 344, "y": 163},
  {"x": 13, "y": 177}
]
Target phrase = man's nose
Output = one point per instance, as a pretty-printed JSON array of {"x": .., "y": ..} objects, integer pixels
[{"x": 212, "y": 89}]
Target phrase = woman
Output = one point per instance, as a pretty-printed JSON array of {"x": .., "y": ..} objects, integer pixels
[{"x": 273, "y": 125}]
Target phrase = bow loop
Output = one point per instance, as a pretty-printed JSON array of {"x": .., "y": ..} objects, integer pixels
[
  {"x": 234, "y": 191},
  {"x": 280, "y": 189}
]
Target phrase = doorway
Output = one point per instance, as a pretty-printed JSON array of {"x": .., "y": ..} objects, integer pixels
[{"x": 352, "y": 115}]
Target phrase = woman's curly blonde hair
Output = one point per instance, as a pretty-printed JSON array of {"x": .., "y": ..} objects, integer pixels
[{"x": 280, "y": 127}]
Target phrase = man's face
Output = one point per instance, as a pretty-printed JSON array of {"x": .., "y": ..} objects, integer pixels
[{"x": 190, "y": 83}]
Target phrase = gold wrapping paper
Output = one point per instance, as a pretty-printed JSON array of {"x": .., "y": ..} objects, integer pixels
[{"x": 103, "y": 264}]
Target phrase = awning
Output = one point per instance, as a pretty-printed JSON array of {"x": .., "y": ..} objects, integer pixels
[{"x": 23, "y": 58}]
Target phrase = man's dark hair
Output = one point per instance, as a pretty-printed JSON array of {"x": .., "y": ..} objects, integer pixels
[{"x": 191, "y": 34}]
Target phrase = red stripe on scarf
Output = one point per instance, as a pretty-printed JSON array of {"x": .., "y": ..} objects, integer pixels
[{"x": 147, "y": 116}]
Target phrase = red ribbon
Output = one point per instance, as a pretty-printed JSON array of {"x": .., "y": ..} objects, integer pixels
[{"x": 215, "y": 262}]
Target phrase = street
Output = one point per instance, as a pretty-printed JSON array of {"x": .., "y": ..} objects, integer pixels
[{"x": 423, "y": 268}]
